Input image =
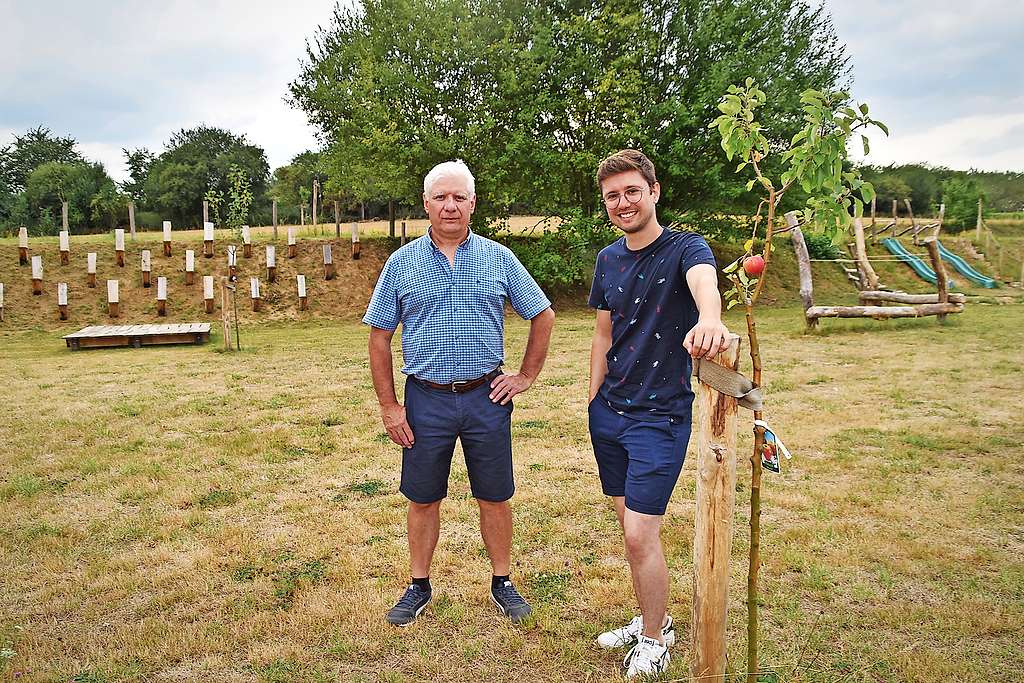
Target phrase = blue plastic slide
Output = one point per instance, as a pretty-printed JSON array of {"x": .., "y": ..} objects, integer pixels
[
  {"x": 966, "y": 270},
  {"x": 918, "y": 266}
]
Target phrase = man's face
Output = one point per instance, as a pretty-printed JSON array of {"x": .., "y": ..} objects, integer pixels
[
  {"x": 449, "y": 205},
  {"x": 630, "y": 201}
]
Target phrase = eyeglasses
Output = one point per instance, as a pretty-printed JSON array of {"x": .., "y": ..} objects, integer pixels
[
  {"x": 632, "y": 195},
  {"x": 458, "y": 197}
]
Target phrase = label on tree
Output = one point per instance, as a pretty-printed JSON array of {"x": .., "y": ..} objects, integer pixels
[
  {"x": 254, "y": 287},
  {"x": 112, "y": 291},
  {"x": 147, "y": 259},
  {"x": 327, "y": 254},
  {"x": 65, "y": 243},
  {"x": 62, "y": 294},
  {"x": 90, "y": 260},
  {"x": 161, "y": 289},
  {"x": 301, "y": 281},
  {"x": 291, "y": 236},
  {"x": 190, "y": 261},
  {"x": 271, "y": 256},
  {"x": 119, "y": 239},
  {"x": 37, "y": 267},
  {"x": 23, "y": 238},
  {"x": 208, "y": 232},
  {"x": 167, "y": 231},
  {"x": 246, "y": 239},
  {"x": 207, "y": 286},
  {"x": 232, "y": 256}
]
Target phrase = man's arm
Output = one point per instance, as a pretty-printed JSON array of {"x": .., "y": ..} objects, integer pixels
[
  {"x": 599, "y": 346},
  {"x": 709, "y": 336},
  {"x": 392, "y": 413},
  {"x": 504, "y": 387}
]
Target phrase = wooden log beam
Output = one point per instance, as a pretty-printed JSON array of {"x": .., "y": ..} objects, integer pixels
[
  {"x": 713, "y": 521},
  {"x": 868, "y": 276},
  {"x": 883, "y": 312},
  {"x": 904, "y": 298},
  {"x": 803, "y": 261}
]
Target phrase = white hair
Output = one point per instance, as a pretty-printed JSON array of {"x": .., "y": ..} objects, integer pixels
[{"x": 449, "y": 169}]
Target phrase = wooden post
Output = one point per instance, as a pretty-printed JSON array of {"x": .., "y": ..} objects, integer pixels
[
  {"x": 64, "y": 217},
  {"x": 302, "y": 215},
  {"x": 62, "y": 300},
  {"x": 328, "y": 263},
  {"x": 300, "y": 281},
  {"x": 146, "y": 268},
  {"x": 232, "y": 261},
  {"x": 873, "y": 233},
  {"x": 161, "y": 296},
  {"x": 246, "y": 242},
  {"x": 869, "y": 279},
  {"x": 37, "y": 275},
  {"x": 271, "y": 263},
  {"x": 206, "y": 212},
  {"x": 208, "y": 239},
  {"x": 977, "y": 227},
  {"x": 225, "y": 311},
  {"x": 254, "y": 292},
  {"x": 712, "y": 538},
  {"x": 391, "y": 217},
  {"x": 913, "y": 221},
  {"x": 167, "y": 238},
  {"x": 803, "y": 261},
  {"x": 942, "y": 217},
  {"x": 119, "y": 247},
  {"x": 316, "y": 197},
  {"x": 131, "y": 219},
  {"x": 1, "y": 302},
  {"x": 90, "y": 269},
  {"x": 355, "y": 241},
  {"x": 273, "y": 213},
  {"x": 22, "y": 246},
  {"x": 190, "y": 267},
  {"x": 292, "y": 247},
  {"x": 65, "y": 247},
  {"x": 337, "y": 221},
  {"x": 932, "y": 243},
  {"x": 208, "y": 292},
  {"x": 113, "y": 301},
  {"x": 404, "y": 238}
]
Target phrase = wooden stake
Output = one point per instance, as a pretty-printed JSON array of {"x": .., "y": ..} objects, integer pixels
[
  {"x": 62, "y": 300},
  {"x": 119, "y": 246},
  {"x": 65, "y": 247},
  {"x": 271, "y": 263},
  {"x": 208, "y": 239},
  {"x": 226, "y": 310},
  {"x": 131, "y": 219},
  {"x": 316, "y": 197},
  {"x": 300, "y": 281},
  {"x": 113, "y": 302},
  {"x": 712, "y": 526},
  {"x": 37, "y": 275},
  {"x": 328, "y": 263},
  {"x": 873, "y": 234},
  {"x": 355, "y": 241},
  {"x": 246, "y": 242},
  {"x": 942, "y": 217},
  {"x": 404, "y": 238},
  {"x": 146, "y": 268},
  {"x": 913, "y": 221},
  {"x": 273, "y": 213},
  {"x": 90, "y": 269},
  {"x": 190, "y": 267},
  {"x": 206, "y": 212},
  {"x": 292, "y": 248},
  {"x": 232, "y": 261},
  {"x": 22, "y": 246},
  {"x": 64, "y": 216},
  {"x": 337, "y": 221},
  {"x": 161, "y": 296},
  {"x": 869, "y": 279},
  {"x": 803, "y": 261},
  {"x": 167, "y": 238},
  {"x": 977, "y": 227},
  {"x": 1, "y": 302},
  {"x": 208, "y": 292},
  {"x": 391, "y": 217},
  {"x": 254, "y": 292}
]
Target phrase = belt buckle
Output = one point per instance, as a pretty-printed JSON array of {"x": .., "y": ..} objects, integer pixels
[{"x": 455, "y": 384}]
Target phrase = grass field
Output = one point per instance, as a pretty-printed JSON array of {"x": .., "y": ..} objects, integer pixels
[{"x": 181, "y": 514}]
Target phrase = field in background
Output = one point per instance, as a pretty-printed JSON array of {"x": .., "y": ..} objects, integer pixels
[{"x": 182, "y": 514}]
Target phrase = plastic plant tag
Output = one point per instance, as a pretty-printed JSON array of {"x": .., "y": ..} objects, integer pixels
[{"x": 771, "y": 449}]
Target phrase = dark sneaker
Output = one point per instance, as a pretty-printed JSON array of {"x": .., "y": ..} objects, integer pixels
[
  {"x": 409, "y": 606},
  {"x": 510, "y": 602}
]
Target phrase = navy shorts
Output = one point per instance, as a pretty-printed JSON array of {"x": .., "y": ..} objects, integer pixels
[
  {"x": 638, "y": 459},
  {"x": 437, "y": 418}
]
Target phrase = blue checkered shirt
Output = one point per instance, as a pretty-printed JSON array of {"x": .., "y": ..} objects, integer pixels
[{"x": 453, "y": 319}]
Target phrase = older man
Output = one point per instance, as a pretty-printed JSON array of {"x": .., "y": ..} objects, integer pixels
[{"x": 448, "y": 290}]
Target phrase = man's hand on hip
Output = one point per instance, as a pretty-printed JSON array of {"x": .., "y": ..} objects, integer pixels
[
  {"x": 393, "y": 417},
  {"x": 504, "y": 387}
]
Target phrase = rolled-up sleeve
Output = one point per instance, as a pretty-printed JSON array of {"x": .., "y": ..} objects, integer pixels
[
  {"x": 384, "y": 310},
  {"x": 525, "y": 295}
]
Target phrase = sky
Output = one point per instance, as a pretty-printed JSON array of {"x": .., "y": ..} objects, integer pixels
[{"x": 946, "y": 76}]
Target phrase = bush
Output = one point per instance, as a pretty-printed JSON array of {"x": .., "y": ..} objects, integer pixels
[
  {"x": 820, "y": 246},
  {"x": 960, "y": 195},
  {"x": 562, "y": 259}
]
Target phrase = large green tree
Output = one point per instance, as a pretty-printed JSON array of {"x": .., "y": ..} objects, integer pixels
[
  {"x": 78, "y": 184},
  {"x": 17, "y": 162},
  {"x": 533, "y": 93}
]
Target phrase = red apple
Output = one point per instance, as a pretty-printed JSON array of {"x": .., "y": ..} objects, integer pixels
[{"x": 753, "y": 265}]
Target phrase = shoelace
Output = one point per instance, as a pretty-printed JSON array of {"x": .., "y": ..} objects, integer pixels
[
  {"x": 510, "y": 594},
  {"x": 410, "y": 598},
  {"x": 636, "y": 650}
]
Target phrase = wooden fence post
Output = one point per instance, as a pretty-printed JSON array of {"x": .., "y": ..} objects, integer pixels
[
  {"x": 232, "y": 261},
  {"x": 404, "y": 237},
  {"x": 208, "y": 239},
  {"x": 977, "y": 227},
  {"x": 119, "y": 246},
  {"x": 873, "y": 233},
  {"x": 337, "y": 221},
  {"x": 64, "y": 216},
  {"x": 712, "y": 541},
  {"x": 90, "y": 269},
  {"x": 62, "y": 300},
  {"x": 391, "y": 217},
  {"x": 208, "y": 292},
  {"x": 254, "y": 292},
  {"x": 328, "y": 263},
  {"x": 1, "y": 302},
  {"x": 292, "y": 247},
  {"x": 271, "y": 263},
  {"x": 22, "y": 246},
  {"x": 131, "y": 219},
  {"x": 206, "y": 212},
  {"x": 355, "y": 241},
  {"x": 37, "y": 275},
  {"x": 147, "y": 267},
  {"x": 113, "y": 300},
  {"x": 161, "y": 296},
  {"x": 316, "y": 197},
  {"x": 167, "y": 238},
  {"x": 273, "y": 213},
  {"x": 932, "y": 243},
  {"x": 65, "y": 247},
  {"x": 869, "y": 279},
  {"x": 300, "y": 281},
  {"x": 226, "y": 310},
  {"x": 190, "y": 267},
  {"x": 246, "y": 242}
]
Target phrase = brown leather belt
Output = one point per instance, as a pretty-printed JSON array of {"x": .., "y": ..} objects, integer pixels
[{"x": 461, "y": 386}]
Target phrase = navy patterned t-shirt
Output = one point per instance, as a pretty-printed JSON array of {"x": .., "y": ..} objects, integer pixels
[{"x": 652, "y": 309}]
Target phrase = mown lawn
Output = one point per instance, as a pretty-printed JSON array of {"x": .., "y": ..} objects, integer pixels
[{"x": 182, "y": 514}]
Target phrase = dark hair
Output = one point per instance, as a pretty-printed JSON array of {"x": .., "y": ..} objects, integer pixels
[{"x": 625, "y": 161}]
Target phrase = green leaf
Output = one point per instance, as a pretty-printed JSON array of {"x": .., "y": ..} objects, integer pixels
[
  {"x": 732, "y": 303},
  {"x": 748, "y": 245},
  {"x": 750, "y": 185},
  {"x": 864, "y": 108},
  {"x": 867, "y": 147}
]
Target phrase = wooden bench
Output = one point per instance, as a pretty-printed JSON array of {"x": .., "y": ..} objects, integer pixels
[{"x": 136, "y": 336}]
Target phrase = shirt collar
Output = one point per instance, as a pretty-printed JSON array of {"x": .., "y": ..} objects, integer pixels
[{"x": 465, "y": 242}]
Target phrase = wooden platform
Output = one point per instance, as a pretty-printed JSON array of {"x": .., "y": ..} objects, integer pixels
[{"x": 138, "y": 335}]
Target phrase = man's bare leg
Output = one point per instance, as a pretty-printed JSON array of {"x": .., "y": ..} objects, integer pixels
[
  {"x": 423, "y": 526},
  {"x": 496, "y": 530},
  {"x": 646, "y": 565}
]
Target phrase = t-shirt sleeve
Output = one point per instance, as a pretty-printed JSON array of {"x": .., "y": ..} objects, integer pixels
[
  {"x": 597, "y": 299},
  {"x": 384, "y": 310},
  {"x": 525, "y": 295},
  {"x": 695, "y": 252}
]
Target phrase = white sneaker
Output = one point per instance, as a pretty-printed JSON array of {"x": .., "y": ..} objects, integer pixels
[
  {"x": 627, "y": 635},
  {"x": 647, "y": 658}
]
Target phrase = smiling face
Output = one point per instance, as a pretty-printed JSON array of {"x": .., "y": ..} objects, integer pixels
[
  {"x": 634, "y": 208},
  {"x": 449, "y": 204}
]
